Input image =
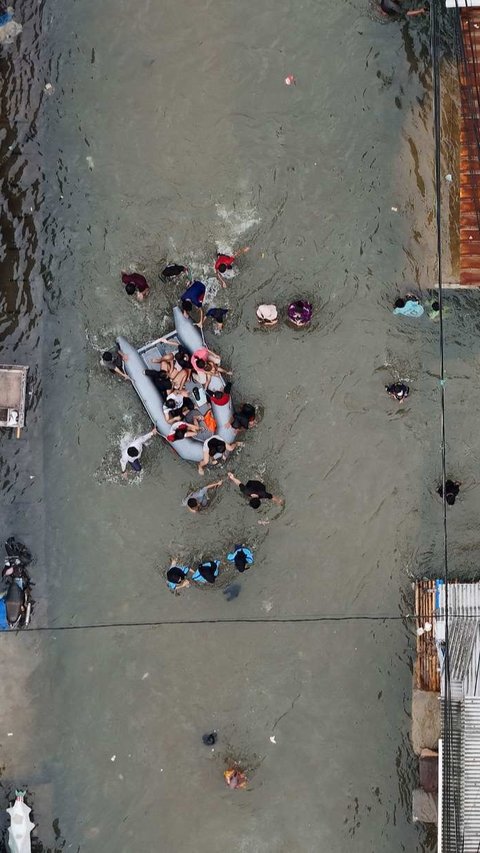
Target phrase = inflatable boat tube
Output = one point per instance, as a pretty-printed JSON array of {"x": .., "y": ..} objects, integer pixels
[
  {"x": 188, "y": 334},
  {"x": 187, "y": 448},
  {"x": 222, "y": 414},
  {"x": 192, "y": 339}
]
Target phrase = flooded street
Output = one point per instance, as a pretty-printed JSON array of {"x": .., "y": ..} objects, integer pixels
[{"x": 167, "y": 132}]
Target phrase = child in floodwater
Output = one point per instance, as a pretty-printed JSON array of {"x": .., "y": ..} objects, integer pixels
[{"x": 235, "y": 778}]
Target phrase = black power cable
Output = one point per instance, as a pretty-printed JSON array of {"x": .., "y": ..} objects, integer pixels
[{"x": 450, "y": 792}]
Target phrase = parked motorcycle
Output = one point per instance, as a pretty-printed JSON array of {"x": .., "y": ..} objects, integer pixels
[{"x": 16, "y": 600}]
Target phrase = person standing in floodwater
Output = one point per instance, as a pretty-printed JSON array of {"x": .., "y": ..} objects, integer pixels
[
  {"x": 393, "y": 8},
  {"x": 409, "y": 307},
  {"x": 452, "y": 489},
  {"x": 225, "y": 262},
  {"x": 136, "y": 285}
]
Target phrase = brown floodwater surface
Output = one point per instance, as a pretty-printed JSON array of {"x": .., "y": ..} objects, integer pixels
[{"x": 133, "y": 134}]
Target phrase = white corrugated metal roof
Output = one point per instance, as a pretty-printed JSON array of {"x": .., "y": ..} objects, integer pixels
[
  {"x": 464, "y": 635},
  {"x": 463, "y": 598},
  {"x": 461, "y": 796},
  {"x": 470, "y": 817}
]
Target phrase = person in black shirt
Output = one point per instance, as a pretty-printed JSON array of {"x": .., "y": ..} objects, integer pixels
[
  {"x": 256, "y": 491},
  {"x": 398, "y": 391},
  {"x": 393, "y": 7},
  {"x": 161, "y": 381},
  {"x": 244, "y": 418},
  {"x": 173, "y": 270},
  {"x": 451, "y": 491},
  {"x": 112, "y": 360}
]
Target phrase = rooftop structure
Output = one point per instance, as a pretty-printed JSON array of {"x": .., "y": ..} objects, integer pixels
[
  {"x": 469, "y": 148},
  {"x": 459, "y": 754}
]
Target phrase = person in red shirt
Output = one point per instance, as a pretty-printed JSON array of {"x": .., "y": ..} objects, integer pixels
[{"x": 225, "y": 262}]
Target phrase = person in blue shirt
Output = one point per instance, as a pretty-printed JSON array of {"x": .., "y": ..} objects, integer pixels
[
  {"x": 177, "y": 576},
  {"x": 195, "y": 294},
  {"x": 241, "y": 557},
  {"x": 409, "y": 307},
  {"x": 207, "y": 572}
]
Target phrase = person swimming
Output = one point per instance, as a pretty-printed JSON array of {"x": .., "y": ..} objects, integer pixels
[
  {"x": 300, "y": 312},
  {"x": 398, "y": 391}
]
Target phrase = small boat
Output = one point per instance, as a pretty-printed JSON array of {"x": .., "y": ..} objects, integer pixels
[
  {"x": 20, "y": 825},
  {"x": 139, "y": 360}
]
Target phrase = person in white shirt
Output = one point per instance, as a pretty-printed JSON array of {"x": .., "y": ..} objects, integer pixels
[{"x": 131, "y": 451}]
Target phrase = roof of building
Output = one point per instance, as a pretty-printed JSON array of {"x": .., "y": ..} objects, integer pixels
[{"x": 460, "y": 770}]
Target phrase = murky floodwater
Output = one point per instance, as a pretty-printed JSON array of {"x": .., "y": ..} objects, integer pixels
[{"x": 168, "y": 132}]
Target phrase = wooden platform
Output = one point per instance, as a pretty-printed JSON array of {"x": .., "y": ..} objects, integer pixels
[
  {"x": 426, "y": 673},
  {"x": 470, "y": 153},
  {"x": 13, "y": 388}
]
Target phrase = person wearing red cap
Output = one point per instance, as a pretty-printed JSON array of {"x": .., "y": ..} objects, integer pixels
[{"x": 225, "y": 262}]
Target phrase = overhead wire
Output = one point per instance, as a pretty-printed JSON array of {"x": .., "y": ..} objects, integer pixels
[{"x": 451, "y": 833}]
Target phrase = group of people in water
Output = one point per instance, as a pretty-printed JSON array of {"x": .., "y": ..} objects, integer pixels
[
  {"x": 207, "y": 571},
  {"x": 183, "y": 381},
  {"x": 411, "y": 306},
  {"x": 299, "y": 312}
]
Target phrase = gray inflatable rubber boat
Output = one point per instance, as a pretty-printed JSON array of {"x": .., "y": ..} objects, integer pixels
[{"x": 139, "y": 360}]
